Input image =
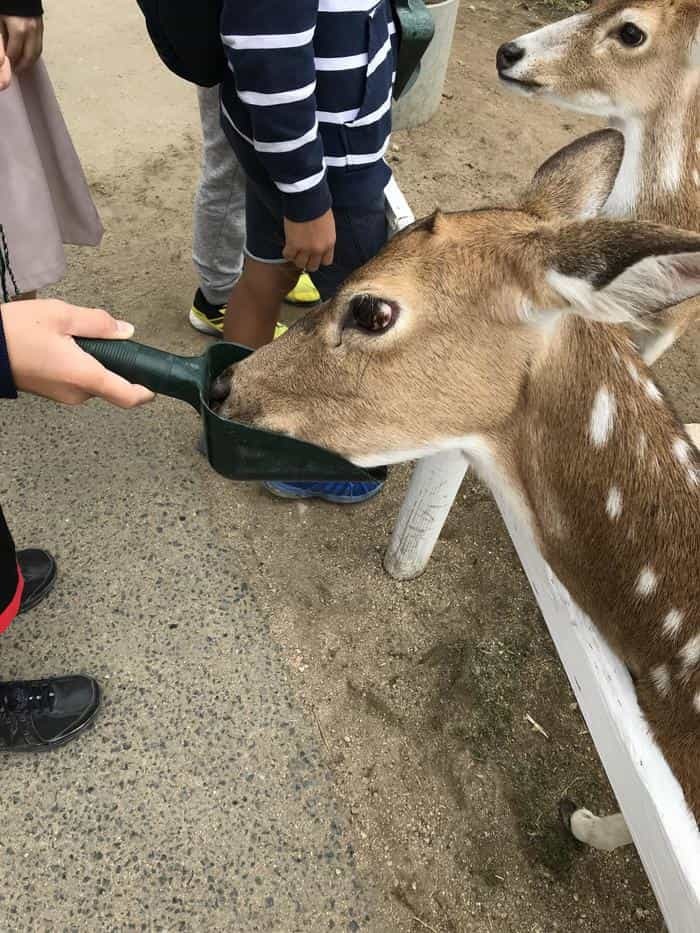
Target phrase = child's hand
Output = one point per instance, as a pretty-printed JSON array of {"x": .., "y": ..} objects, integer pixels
[
  {"x": 5, "y": 68},
  {"x": 24, "y": 39},
  {"x": 311, "y": 244},
  {"x": 45, "y": 360}
]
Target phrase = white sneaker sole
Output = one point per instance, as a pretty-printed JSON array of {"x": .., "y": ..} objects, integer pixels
[{"x": 202, "y": 326}]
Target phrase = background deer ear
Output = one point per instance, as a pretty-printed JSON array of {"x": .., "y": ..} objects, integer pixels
[
  {"x": 576, "y": 182},
  {"x": 623, "y": 272}
]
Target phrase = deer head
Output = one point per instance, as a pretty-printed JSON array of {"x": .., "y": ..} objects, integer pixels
[
  {"x": 617, "y": 59},
  {"x": 435, "y": 340}
]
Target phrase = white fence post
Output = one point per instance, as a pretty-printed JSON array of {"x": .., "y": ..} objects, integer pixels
[{"x": 431, "y": 494}]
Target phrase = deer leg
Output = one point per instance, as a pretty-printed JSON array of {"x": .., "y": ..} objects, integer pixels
[{"x": 605, "y": 833}]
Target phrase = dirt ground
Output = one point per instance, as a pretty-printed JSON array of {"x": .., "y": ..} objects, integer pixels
[{"x": 420, "y": 690}]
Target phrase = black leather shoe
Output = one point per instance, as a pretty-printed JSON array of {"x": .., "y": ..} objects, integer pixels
[
  {"x": 39, "y": 572},
  {"x": 37, "y": 715}
]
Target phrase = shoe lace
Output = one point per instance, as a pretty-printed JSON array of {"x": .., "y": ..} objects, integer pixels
[{"x": 26, "y": 697}]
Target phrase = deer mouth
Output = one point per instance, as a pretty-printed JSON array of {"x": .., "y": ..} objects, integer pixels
[{"x": 525, "y": 85}]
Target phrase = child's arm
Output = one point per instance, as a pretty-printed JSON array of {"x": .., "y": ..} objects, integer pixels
[{"x": 269, "y": 44}]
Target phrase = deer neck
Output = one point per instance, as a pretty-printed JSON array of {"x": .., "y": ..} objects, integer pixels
[
  {"x": 611, "y": 486},
  {"x": 660, "y": 174}
]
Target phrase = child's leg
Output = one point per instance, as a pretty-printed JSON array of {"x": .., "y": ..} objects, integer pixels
[
  {"x": 219, "y": 207},
  {"x": 255, "y": 301}
]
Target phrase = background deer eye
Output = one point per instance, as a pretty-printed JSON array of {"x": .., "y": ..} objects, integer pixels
[
  {"x": 368, "y": 312},
  {"x": 631, "y": 35}
]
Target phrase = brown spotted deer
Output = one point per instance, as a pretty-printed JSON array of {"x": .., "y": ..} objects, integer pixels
[
  {"x": 498, "y": 333},
  {"x": 637, "y": 64}
]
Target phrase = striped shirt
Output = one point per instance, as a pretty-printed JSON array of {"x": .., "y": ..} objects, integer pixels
[{"x": 306, "y": 103}]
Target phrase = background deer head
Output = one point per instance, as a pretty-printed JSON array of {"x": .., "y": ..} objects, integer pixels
[{"x": 617, "y": 59}]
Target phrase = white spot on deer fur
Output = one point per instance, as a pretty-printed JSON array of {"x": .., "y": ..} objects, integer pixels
[
  {"x": 681, "y": 451},
  {"x": 652, "y": 391},
  {"x": 696, "y": 178},
  {"x": 662, "y": 679},
  {"x": 672, "y": 623},
  {"x": 602, "y": 417},
  {"x": 614, "y": 504},
  {"x": 690, "y": 655},
  {"x": 642, "y": 445},
  {"x": 696, "y": 702},
  {"x": 646, "y": 582},
  {"x": 632, "y": 370}
]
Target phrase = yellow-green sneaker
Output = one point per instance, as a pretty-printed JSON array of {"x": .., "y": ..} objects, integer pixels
[
  {"x": 304, "y": 292},
  {"x": 209, "y": 319},
  {"x": 206, "y": 317}
]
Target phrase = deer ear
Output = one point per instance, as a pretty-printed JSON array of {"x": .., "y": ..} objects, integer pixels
[
  {"x": 623, "y": 272},
  {"x": 576, "y": 182}
]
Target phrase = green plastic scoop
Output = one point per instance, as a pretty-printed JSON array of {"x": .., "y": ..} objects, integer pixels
[{"x": 235, "y": 450}]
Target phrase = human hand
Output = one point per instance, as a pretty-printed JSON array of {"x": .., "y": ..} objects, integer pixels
[
  {"x": 311, "y": 244},
  {"x": 24, "y": 39},
  {"x": 5, "y": 67},
  {"x": 46, "y": 361}
]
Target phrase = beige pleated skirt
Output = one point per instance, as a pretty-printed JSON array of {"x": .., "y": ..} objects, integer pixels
[{"x": 45, "y": 201}]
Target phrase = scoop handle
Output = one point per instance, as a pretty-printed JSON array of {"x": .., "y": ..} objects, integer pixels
[{"x": 180, "y": 377}]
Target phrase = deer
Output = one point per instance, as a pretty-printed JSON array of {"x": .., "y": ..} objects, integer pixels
[
  {"x": 637, "y": 65},
  {"x": 502, "y": 333}
]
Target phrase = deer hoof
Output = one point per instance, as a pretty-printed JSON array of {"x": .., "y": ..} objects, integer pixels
[{"x": 567, "y": 808}]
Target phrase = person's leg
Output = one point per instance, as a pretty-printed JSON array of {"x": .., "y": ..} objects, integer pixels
[
  {"x": 219, "y": 225},
  {"x": 255, "y": 302},
  {"x": 36, "y": 715},
  {"x": 11, "y": 582},
  {"x": 219, "y": 219}
]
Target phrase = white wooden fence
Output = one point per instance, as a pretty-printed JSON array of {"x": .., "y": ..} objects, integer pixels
[{"x": 650, "y": 798}]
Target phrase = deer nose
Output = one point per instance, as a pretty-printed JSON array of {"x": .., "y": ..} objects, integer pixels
[{"x": 508, "y": 55}]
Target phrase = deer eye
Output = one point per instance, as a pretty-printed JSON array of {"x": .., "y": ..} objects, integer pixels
[
  {"x": 370, "y": 313},
  {"x": 631, "y": 35}
]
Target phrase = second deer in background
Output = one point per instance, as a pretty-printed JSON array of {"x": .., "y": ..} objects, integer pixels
[{"x": 638, "y": 66}]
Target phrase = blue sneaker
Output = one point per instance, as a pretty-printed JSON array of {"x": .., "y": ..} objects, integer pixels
[{"x": 340, "y": 493}]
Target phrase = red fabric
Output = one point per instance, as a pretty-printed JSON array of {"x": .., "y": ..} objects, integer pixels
[{"x": 9, "y": 613}]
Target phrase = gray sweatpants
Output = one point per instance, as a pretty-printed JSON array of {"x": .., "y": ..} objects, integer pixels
[{"x": 219, "y": 209}]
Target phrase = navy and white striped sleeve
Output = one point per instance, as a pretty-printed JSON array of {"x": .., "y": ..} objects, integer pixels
[{"x": 269, "y": 44}]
